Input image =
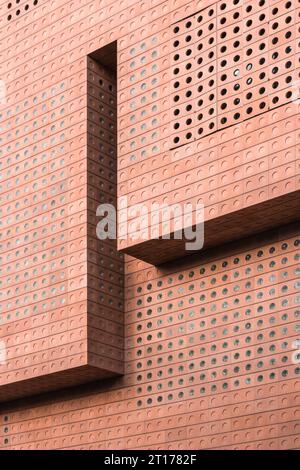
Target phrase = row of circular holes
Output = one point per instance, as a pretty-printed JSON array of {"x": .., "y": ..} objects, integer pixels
[
  {"x": 214, "y": 388},
  {"x": 236, "y": 15},
  {"x": 250, "y": 109},
  {"x": 237, "y": 260},
  {"x": 26, "y": 8},
  {"x": 236, "y": 44},
  {"x": 223, "y": 120}
]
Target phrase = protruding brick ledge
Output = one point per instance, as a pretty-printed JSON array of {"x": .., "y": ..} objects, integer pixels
[{"x": 219, "y": 230}]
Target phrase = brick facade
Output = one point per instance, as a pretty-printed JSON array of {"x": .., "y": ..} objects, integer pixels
[{"x": 135, "y": 343}]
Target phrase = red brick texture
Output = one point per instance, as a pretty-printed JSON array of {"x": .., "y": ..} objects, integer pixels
[{"x": 158, "y": 101}]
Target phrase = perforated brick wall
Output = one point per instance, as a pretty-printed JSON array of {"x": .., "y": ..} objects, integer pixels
[
  {"x": 208, "y": 361},
  {"x": 61, "y": 310},
  {"x": 232, "y": 61},
  {"x": 205, "y": 105},
  {"x": 208, "y": 356}
]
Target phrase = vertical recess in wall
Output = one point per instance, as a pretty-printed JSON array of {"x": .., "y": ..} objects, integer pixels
[{"x": 105, "y": 264}]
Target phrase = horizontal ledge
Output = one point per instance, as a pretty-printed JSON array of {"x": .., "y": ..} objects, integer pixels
[{"x": 251, "y": 220}]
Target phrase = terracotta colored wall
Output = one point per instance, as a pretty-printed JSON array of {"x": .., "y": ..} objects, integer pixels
[
  {"x": 209, "y": 114},
  {"x": 208, "y": 361},
  {"x": 207, "y": 340}
]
